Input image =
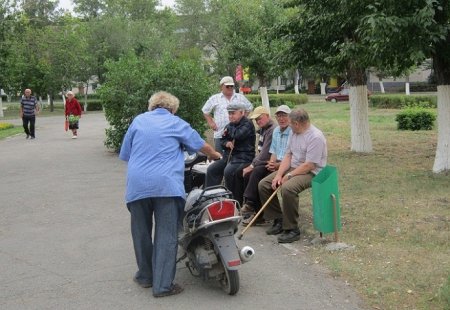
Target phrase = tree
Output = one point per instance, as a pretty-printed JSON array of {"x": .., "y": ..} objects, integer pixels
[
  {"x": 248, "y": 37},
  {"x": 422, "y": 30},
  {"x": 325, "y": 34}
]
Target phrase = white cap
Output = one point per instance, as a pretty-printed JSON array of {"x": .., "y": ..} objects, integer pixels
[{"x": 227, "y": 80}]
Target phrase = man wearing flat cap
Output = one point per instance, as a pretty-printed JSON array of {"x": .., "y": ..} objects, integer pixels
[
  {"x": 218, "y": 104},
  {"x": 238, "y": 143}
]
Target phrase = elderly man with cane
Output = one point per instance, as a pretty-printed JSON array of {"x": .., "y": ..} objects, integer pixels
[
  {"x": 238, "y": 142},
  {"x": 306, "y": 155}
]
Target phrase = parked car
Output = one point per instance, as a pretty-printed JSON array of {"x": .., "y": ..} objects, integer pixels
[{"x": 343, "y": 95}]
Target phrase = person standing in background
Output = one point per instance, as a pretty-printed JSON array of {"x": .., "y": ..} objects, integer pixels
[
  {"x": 218, "y": 104},
  {"x": 29, "y": 107},
  {"x": 73, "y": 113}
]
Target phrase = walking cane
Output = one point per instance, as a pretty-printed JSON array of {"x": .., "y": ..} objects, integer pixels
[
  {"x": 259, "y": 212},
  {"x": 228, "y": 160}
]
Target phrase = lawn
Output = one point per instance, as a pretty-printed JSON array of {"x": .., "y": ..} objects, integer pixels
[{"x": 395, "y": 212}]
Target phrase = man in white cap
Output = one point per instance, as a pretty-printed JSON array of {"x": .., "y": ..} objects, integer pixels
[
  {"x": 276, "y": 148},
  {"x": 218, "y": 103}
]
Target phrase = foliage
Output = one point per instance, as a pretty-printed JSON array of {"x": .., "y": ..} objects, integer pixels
[
  {"x": 4, "y": 126},
  {"x": 275, "y": 100},
  {"x": 415, "y": 119},
  {"x": 132, "y": 80},
  {"x": 402, "y": 101},
  {"x": 248, "y": 37}
]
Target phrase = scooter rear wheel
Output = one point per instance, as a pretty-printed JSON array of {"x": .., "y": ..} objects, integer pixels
[{"x": 230, "y": 281}]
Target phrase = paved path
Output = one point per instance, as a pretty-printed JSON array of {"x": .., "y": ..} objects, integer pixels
[{"x": 65, "y": 240}]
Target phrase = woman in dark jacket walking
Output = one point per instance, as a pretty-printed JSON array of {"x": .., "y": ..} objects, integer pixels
[{"x": 73, "y": 113}]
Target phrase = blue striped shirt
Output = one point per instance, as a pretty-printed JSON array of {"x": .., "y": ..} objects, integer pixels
[
  {"x": 28, "y": 105},
  {"x": 153, "y": 147},
  {"x": 279, "y": 142}
]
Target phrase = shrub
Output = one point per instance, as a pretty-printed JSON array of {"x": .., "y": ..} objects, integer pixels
[
  {"x": 402, "y": 101},
  {"x": 4, "y": 126},
  {"x": 275, "y": 100},
  {"x": 94, "y": 105},
  {"x": 130, "y": 81},
  {"x": 415, "y": 119}
]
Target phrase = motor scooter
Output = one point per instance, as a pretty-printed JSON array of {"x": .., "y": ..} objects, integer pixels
[{"x": 209, "y": 226}]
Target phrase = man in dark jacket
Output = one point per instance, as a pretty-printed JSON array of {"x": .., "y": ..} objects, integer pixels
[{"x": 238, "y": 142}]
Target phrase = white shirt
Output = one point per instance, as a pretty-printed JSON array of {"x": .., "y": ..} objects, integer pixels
[{"x": 218, "y": 104}]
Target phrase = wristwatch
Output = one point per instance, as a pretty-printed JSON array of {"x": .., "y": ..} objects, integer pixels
[{"x": 289, "y": 175}]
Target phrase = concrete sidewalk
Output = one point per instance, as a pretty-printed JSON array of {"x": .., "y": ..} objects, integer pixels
[{"x": 65, "y": 240}]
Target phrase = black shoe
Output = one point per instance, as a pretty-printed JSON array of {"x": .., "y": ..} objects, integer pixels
[
  {"x": 289, "y": 236},
  {"x": 27, "y": 136},
  {"x": 276, "y": 228},
  {"x": 141, "y": 284},
  {"x": 175, "y": 289}
]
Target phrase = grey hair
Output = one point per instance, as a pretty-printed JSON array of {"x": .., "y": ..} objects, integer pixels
[
  {"x": 70, "y": 93},
  {"x": 163, "y": 100},
  {"x": 300, "y": 116}
]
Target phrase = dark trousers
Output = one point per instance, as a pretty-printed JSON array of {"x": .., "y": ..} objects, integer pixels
[
  {"x": 251, "y": 181},
  {"x": 156, "y": 257},
  {"x": 29, "y": 120},
  {"x": 219, "y": 170}
]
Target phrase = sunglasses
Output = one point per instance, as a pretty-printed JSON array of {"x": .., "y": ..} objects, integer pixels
[{"x": 229, "y": 86}]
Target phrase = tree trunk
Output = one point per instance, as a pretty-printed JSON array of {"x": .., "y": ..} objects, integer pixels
[
  {"x": 86, "y": 96},
  {"x": 407, "y": 86},
  {"x": 359, "y": 118},
  {"x": 264, "y": 97},
  {"x": 442, "y": 159},
  {"x": 323, "y": 87},
  {"x": 381, "y": 86},
  {"x": 296, "y": 79},
  {"x": 1, "y": 105}
]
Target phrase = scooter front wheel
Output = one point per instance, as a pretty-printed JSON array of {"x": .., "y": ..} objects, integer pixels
[{"x": 230, "y": 281}]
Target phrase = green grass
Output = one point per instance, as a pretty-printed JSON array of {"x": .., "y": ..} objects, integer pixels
[
  {"x": 10, "y": 132},
  {"x": 394, "y": 210}
]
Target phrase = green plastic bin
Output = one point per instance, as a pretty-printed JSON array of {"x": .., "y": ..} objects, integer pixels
[{"x": 324, "y": 186}]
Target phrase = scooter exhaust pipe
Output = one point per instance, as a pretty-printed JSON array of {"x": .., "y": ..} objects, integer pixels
[{"x": 246, "y": 254}]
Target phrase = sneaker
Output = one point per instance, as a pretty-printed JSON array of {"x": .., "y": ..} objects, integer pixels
[
  {"x": 276, "y": 228},
  {"x": 289, "y": 236},
  {"x": 175, "y": 289},
  {"x": 74, "y": 137},
  {"x": 246, "y": 208},
  {"x": 33, "y": 137},
  {"x": 141, "y": 284},
  {"x": 27, "y": 136}
]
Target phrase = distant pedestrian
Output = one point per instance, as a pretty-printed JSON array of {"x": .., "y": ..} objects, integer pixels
[
  {"x": 73, "y": 113},
  {"x": 29, "y": 107},
  {"x": 218, "y": 105}
]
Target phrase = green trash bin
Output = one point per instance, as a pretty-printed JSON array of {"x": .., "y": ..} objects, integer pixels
[{"x": 325, "y": 194}]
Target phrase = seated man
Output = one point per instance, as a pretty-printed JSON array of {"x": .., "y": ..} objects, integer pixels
[
  {"x": 306, "y": 155},
  {"x": 238, "y": 142},
  {"x": 274, "y": 142}
]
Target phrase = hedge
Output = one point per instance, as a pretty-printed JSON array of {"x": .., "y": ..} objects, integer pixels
[
  {"x": 415, "y": 119},
  {"x": 4, "y": 126},
  {"x": 403, "y": 101},
  {"x": 275, "y": 100}
]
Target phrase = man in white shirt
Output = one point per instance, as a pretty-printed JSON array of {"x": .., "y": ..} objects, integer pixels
[{"x": 218, "y": 103}]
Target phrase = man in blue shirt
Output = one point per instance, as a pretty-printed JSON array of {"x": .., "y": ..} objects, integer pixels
[
  {"x": 153, "y": 147},
  {"x": 28, "y": 109}
]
